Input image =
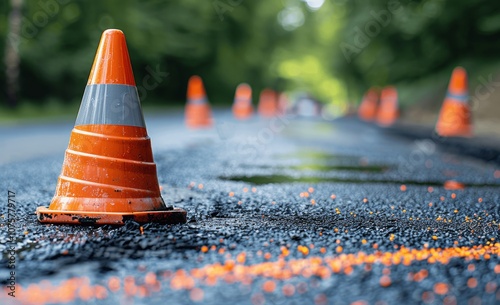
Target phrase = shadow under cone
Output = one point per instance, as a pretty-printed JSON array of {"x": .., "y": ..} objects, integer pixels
[
  {"x": 455, "y": 115},
  {"x": 109, "y": 175}
]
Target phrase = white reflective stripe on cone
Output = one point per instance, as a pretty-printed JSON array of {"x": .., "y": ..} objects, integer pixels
[
  {"x": 197, "y": 101},
  {"x": 463, "y": 98},
  {"x": 110, "y": 104}
]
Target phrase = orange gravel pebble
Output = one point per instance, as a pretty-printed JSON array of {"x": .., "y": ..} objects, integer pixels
[
  {"x": 472, "y": 283},
  {"x": 497, "y": 269},
  {"x": 288, "y": 290},
  {"x": 385, "y": 281},
  {"x": 441, "y": 288},
  {"x": 269, "y": 286},
  {"x": 196, "y": 295}
]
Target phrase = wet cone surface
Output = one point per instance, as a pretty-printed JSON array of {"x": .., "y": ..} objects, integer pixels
[
  {"x": 109, "y": 175},
  {"x": 367, "y": 111},
  {"x": 455, "y": 116},
  {"x": 388, "y": 111},
  {"x": 242, "y": 106},
  {"x": 198, "y": 112},
  {"x": 268, "y": 104}
]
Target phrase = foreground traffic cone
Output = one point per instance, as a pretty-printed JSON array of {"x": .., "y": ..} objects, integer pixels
[
  {"x": 368, "y": 108},
  {"x": 388, "y": 111},
  {"x": 109, "y": 175},
  {"x": 198, "y": 112},
  {"x": 268, "y": 104},
  {"x": 455, "y": 116},
  {"x": 242, "y": 106}
]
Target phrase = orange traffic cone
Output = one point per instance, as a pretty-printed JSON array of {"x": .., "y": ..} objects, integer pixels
[
  {"x": 198, "y": 112},
  {"x": 268, "y": 104},
  {"x": 368, "y": 108},
  {"x": 388, "y": 111},
  {"x": 455, "y": 116},
  {"x": 283, "y": 104},
  {"x": 242, "y": 106},
  {"x": 109, "y": 175}
]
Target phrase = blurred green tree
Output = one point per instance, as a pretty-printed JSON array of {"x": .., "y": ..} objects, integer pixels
[{"x": 334, "y": 49}]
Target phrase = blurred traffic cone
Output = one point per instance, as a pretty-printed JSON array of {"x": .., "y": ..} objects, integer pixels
[
  {"x": 268, "y": 104},
  {"x": 455, "y": 116},
  {"x": 242, "y": 106},
  {"x": 109, "y": 175},
  {"x": 283, "y": 104},
  {"x": 368, "y": 108},
  {"x": 388, "y": 111},
  {"x": 198, "y": 112}
]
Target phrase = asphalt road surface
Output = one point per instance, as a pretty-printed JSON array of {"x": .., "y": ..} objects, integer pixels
[{"x": 280, "y": 211}]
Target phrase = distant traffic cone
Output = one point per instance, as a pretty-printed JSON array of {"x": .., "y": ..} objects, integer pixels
[
  {"x": 109, "y": 175},
  {"x": 198, "y": 112},
  {"x": 283, "y": 104},
  {"x": 268, "y": 103},
  {"x": 388, "y": 111},
  {"x": 455, "y": 116},
  {"x": 368, "y": 108},
  {"x": 242, "y": 106}
]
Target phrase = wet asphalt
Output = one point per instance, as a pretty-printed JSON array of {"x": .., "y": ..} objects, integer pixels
[{"x": 280, "y": 211}]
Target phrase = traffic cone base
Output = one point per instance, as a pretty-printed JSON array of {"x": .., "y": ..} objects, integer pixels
[
  {"x": 46, "y": 215},
  {"x": 242, "y": 112},
  {"x": 454, "y": 120},
  {"x": 198, "y": 115},
  {"x": 109, "y": 175}
]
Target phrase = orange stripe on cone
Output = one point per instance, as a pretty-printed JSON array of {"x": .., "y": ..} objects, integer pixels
[
  {"x": 455, "y": 115},
  {"x": 268, "y": 103},
  {"x": 242, "y": 106},
  {"x": 367, "y": 111},
  {"x": 388, "y": 111},
  {"x": 198, "y": 112},
  {"x": 109, "y": 175}
]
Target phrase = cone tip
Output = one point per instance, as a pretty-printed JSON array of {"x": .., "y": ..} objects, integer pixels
[
  {"x": 195, "y": 87},
  {"x": 458, "y": 82},
  {"x": 113, "y": 31},
  {"x": 112, "y": 61},
  {"x": 244, "y": 90}
]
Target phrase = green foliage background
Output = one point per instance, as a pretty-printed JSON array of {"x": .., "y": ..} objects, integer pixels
[{"x": 232, "y": 41}]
